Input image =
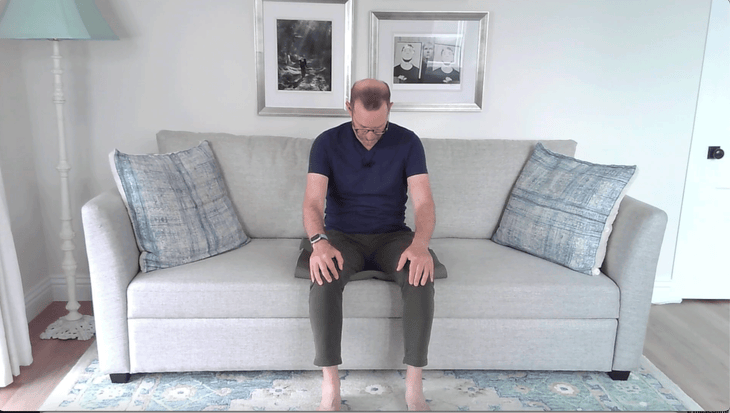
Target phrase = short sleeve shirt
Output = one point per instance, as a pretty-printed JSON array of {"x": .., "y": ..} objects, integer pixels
[
  {"x": 411, "y": 75},
  {"x": 367, "y": 190}
]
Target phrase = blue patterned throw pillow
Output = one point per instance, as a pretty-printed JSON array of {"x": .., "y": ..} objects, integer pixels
[
  {"x": 179, "y": 206},
  {"x": 562, "y": 209}
]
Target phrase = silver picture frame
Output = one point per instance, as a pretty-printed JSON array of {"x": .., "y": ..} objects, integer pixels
[
  {"x": 462, "y": 31},
  {"x": 277, "y": 93}
]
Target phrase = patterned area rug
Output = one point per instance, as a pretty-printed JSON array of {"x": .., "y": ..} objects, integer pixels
[{"x": 85, "y": 388}]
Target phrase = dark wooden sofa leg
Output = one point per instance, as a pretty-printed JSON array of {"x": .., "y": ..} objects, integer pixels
[
  {"x": 120, "y": 378},
  {"x": 619, "y": 375}
]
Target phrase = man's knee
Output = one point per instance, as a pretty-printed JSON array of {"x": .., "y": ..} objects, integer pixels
[
  {"x": 402, "y": 277},
  {"x": 327, "y": 288},
  {"x": 423, "y": 292}
]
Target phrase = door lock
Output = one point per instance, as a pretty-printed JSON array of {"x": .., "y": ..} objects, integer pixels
[{"x": 715, "y": 152}]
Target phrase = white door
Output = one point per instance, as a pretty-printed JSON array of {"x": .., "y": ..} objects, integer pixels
[{"x": 702, "y": 257}]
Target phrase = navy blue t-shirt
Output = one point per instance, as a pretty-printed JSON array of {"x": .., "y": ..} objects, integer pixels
[{"x": 367, "y": 190}]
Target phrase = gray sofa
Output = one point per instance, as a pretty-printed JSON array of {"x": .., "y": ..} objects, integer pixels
[{"x": 499, "y": 308}]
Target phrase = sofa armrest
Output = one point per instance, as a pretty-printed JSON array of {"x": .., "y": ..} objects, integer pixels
[
  {"x": 113, "y": 261},
  {"x": 631, "y": 262}
]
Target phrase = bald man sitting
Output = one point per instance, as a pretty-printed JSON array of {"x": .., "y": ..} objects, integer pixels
[{"x": 364, "y": 168}]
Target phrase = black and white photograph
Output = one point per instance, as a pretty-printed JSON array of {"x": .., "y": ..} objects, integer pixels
[
  {"x": 445, "y": 64},
  {"x": 303, "y": 57},
  {"x": 433, "y": 59},
  {"x": 407, "y": 61},
  {"x": 304, "y": 50}
]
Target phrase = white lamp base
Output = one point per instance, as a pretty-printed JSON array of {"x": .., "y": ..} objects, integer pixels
[{"x": 65, "y": 329}]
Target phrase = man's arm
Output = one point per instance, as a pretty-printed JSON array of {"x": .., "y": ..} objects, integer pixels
[
  {"x": 421, "y": 268},
  {"x": 425, "y": 211},
  {"x": 313, "y": 215},
  {"x": 313, "y": 207}
]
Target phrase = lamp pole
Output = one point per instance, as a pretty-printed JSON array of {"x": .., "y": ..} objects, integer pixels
[
  {"x": 67, "y": 233},
  {"x": 73, "y": 324}
]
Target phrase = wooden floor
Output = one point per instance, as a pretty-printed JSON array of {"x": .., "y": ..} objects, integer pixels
[
  {"x": 689, "y": 342},
  {"x": 52, "y": 359}
]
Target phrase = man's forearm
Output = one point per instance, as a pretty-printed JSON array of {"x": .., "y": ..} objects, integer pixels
[
  {"x": 425, "y": 223},
  {"x": 313, "y": 220}
]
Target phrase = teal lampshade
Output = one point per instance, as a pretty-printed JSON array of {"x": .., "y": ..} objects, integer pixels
[{"x": 54, "y": 19}]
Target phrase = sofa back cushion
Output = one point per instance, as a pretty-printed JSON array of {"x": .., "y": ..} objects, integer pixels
[
  {"x": 472, "y": 179},
  {"x": 266, "y": 177}
]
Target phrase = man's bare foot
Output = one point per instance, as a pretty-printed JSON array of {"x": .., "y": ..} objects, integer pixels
[
  {"x": 330, "y": 406},
  {"x": 417, "y": 402},
  {"x": 415, "y": 399},
  {"x": 331, "y": 399}
]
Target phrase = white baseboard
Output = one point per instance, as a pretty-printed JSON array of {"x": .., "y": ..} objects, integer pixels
[
  {"x": 664, "y": 293},
  {"x": 52, "y": 289},
  {"x": 60, "y": 292},
  {"x": 38, "y": 298}
]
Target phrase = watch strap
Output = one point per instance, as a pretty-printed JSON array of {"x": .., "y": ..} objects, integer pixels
[{"x": 317, "y": 237}]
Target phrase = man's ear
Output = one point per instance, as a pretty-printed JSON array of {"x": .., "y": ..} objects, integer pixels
[
  {"x": 349, "y": 107},
  {"x": 390, "y": 105}
]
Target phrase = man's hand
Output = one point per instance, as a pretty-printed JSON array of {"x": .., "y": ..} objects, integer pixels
[
  {"x": 321, "y": 262},
  {"x": 421, "y": 267}
]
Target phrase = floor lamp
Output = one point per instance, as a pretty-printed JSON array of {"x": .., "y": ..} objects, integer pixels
[{"x": 57, "y": 20}]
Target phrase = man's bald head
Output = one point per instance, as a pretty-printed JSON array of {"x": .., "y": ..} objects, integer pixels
[{"x": 372, "y": 93}]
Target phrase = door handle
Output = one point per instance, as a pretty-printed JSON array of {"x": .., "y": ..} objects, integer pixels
[{"x": 715, "y": 152}]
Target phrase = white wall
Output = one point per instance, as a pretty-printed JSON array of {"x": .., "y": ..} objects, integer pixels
[{"x": 619, "y": 77}]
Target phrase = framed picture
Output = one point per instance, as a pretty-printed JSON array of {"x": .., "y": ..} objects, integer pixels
[
  {"x": 303, "y": 56},
  {"x": 433, "y": 61}
]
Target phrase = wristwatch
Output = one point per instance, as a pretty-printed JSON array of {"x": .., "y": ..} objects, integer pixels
[{"x": 317, "y": 237}]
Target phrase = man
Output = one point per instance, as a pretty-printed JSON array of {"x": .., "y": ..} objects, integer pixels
[
  {"x": 364, "y": 168},
  {"x": 303, "y": 66},
  {"x": 406, "y": 71},
  {"x": 426, "y": 60},
  {"x": 446, "y": 73}
]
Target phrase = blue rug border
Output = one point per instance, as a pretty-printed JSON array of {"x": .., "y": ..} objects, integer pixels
[{"x": 654, "y": 374}]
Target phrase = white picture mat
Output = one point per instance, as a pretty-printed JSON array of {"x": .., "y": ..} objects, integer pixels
[
  {"x": 335, "y": 13},
  {"x": 420, "y": 93}
]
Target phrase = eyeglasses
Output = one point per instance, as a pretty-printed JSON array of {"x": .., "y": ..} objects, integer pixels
[{"x": 378, "y": 132}]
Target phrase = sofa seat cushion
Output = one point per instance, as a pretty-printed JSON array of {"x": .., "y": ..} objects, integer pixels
[
  {"x": 254, "y": 281},
  {"x": 495, "y": 281},
  {"x": 486, "y": 280}
]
